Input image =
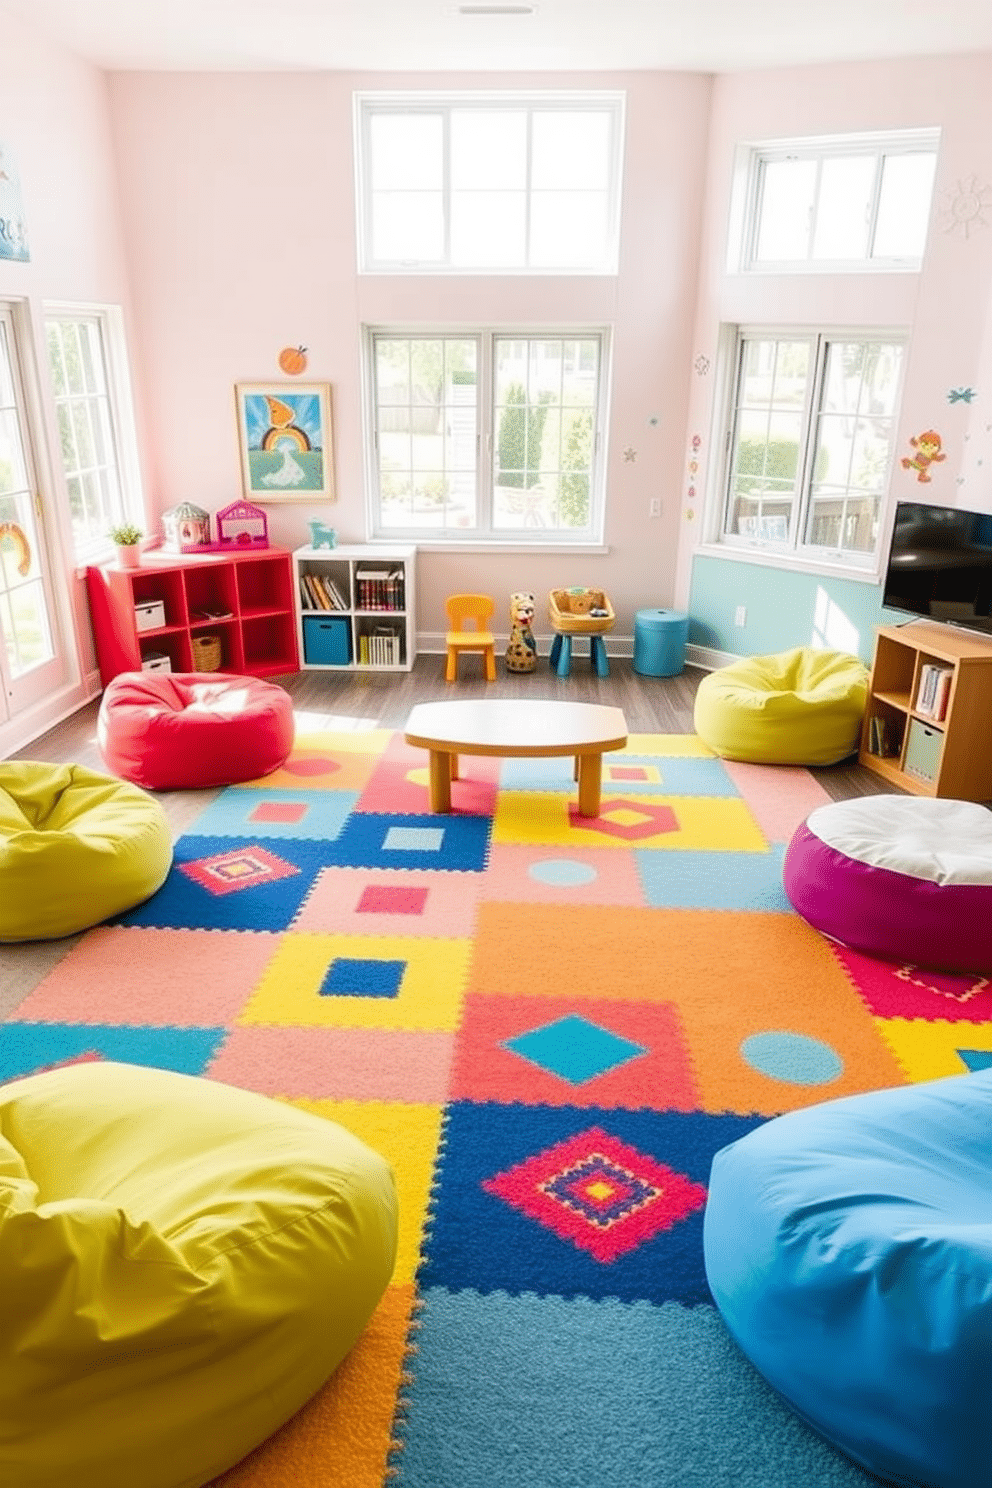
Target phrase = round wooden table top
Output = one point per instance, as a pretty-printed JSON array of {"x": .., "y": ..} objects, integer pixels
[{"x": 519, "y": 726}]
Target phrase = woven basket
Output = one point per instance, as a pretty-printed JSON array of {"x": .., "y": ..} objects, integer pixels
[
  {"x": 568, "y": 611},
  {"x": 206, "y": 653}
]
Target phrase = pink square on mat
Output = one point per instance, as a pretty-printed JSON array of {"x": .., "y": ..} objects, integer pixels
[
  {"x": 160, "y": 978},
  {"x": 279, "y": 811},
  {"x": 891, "y": 991},
  {"x": 338, "y": 903},
  {"x": 392, "y": 899},
  {"x": 626, "y": 772}
]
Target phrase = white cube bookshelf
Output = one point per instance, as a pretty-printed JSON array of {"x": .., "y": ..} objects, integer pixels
[{"x": 356, "y": 607}]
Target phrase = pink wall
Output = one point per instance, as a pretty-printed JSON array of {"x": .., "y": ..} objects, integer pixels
[
  {"x": 947, "y": 306},
  {"x": 238, "y": 200},
  {"x": 54, "y": 118}
]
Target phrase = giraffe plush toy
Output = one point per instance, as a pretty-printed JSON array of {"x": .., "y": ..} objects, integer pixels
[{"x": 521, "y": 653}]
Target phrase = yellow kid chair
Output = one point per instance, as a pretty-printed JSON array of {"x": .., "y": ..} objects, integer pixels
[{"x": 469, "y": 615}]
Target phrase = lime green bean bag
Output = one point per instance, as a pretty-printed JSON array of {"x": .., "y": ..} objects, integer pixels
[
  {"x": 75, "y": 848},
  {"x": 182, "y": 1265},
  {"x": 799, "y": 707}
]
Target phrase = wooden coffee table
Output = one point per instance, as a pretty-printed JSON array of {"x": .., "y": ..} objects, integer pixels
[{"x": 518, "y": 727}]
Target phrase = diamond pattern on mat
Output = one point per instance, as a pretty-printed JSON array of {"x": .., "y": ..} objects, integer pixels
[
  {"x": 244, "y": 868},
  {"x": 605, "y": 1197},
  {"x": 629, "y": 820},
  {"x": 574, "y": 1048}
]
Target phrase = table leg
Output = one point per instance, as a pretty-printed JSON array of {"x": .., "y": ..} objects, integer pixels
[
  {"x": 590, "y": 780},
  {"x": 439, "y": 779}
]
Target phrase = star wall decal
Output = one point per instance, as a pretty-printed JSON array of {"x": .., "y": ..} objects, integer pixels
[{"x": 630, "y": 455}]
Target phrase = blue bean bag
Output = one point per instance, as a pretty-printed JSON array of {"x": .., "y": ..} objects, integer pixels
[{"x": 848, "y": 1247}]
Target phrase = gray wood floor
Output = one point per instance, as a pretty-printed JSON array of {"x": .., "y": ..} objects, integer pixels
[{"x": 650, "y": 705}]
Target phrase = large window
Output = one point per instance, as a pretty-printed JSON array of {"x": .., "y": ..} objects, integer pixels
[
  {"x": 95, "y": 431},
  {"x": 488, "y": 182},
  {"x": 854, "y": 201},
  {"x": 489, "y": 435},
  {"x": 810, "y": 443}
]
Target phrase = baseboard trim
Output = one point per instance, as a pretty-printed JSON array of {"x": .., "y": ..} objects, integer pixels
[
  {"x": 21, "y": 731},
  {"x": 431, "y": 643}
]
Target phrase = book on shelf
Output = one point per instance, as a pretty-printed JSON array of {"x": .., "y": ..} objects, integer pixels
[
  {"x": 320, "y": 601},
  {"x": 933, "y": 689},
  {"x": 881, "y": 737},
  {"x": 379, "y": 589}
]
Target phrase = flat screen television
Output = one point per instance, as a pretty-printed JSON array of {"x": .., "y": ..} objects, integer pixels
[{"x": 940, "y": 565}]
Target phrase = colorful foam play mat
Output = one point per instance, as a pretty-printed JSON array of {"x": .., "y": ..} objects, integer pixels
[{"x": 548, "y": 1024}]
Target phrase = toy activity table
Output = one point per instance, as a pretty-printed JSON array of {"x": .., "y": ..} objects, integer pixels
[{"x": 516, "y": 728}]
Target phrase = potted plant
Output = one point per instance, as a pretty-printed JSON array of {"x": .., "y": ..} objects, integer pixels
[{"x": 127, "y": 537}]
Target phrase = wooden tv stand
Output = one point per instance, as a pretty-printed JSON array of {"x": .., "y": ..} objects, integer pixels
[{"x": 928, "y": 755}]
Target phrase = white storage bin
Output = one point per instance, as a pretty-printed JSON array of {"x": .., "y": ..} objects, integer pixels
[
  {"x": 156, "y": 661},
  {"x": 150, "y": 615}
]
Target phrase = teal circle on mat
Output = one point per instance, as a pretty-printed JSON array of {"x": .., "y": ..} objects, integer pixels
[
  {"x": 563, "y": 873},
  {"x": 792, "y": 1056}
]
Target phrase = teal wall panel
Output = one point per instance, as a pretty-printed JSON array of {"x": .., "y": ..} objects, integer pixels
[{"x": 784, "y": 608}]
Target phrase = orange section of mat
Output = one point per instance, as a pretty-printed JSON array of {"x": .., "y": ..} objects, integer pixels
[
  {"x": 342, "y": 1437},
  {"x": 730, "y": 975}
]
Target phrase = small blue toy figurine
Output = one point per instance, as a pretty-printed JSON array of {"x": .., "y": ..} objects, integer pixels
[{"x": 322, "y": 537}]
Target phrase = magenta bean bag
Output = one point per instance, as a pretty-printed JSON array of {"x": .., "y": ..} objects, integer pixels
[
  {"x": 907, "y": 879},
  {"x": 188, "y": 730}
]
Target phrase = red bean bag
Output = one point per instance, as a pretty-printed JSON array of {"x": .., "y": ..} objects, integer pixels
[{"x": 185, "y": 730}]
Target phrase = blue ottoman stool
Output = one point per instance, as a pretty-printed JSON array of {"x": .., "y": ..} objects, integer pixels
[
  {"x": 849, "y": 1249},
  {"x": 659, "y": 642}
]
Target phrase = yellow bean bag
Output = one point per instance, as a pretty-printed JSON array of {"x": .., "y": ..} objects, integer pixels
[
  {"x": 182, "y": 1265},
  {"x": 75, "y": 848},
  {"x": 799, "y": 707}
]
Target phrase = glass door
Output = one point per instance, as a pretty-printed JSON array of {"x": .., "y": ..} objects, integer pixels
[{"x": 32, "y": 659}]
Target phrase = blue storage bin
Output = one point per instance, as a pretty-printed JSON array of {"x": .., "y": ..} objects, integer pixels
[
  {"x": 659, "y": 642},
  {"x": 326, "y": 640}
]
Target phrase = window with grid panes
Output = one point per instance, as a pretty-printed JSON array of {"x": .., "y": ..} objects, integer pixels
[
  {"x": 486, "y": 435},
  {"x": 810, "y": 443}
]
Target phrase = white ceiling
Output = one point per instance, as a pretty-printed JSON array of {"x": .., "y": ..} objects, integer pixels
[{"x": 431, "y": 35}]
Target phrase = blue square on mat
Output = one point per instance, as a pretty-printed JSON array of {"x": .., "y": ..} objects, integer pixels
[
  {"x": 352, "y": 977},
  {"x": 270, "y": 904},
  {"x": 27, "y": 1047},
  {"x": 713, "y": 880},
  {"x": 539, "y": 1392},
  {"x": 478, "y": 1240},
  {"x": 369, "y": 840},
  {"x": 323, "y": 815},
  {"x": 413, "y": 839}
]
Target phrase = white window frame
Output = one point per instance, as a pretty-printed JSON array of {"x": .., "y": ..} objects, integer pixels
[
  {"x": 367, "y": 104},
  {"x": 128, "y": 505},
  {"x": 746, "y": 197},
  {"x": 795, "y": 553},
  {"x": 485, "y": 534}
]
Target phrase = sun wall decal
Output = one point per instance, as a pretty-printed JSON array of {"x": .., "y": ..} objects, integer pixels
[{"x": 965, "y": 206}]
